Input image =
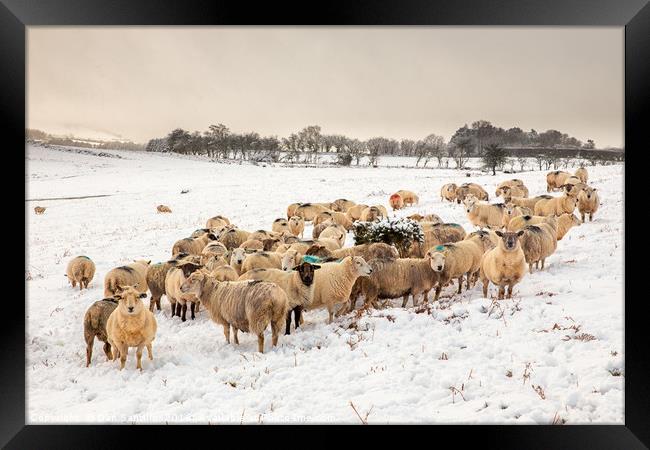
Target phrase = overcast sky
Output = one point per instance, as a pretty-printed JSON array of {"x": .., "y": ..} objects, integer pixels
[{"x": 398, "y": 82}]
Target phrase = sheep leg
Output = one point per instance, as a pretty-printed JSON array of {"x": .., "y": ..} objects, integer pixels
[
  {"x": 260, "y": 342},
  {"x": 149, "y": 350},
  {"x": 124, "y": 351},
  {"x": 501, "y": 292},
  {"x": 509, "y": 294},
  {"x": 405, "y": 300},
  {"x": 89, "y": 349},
  {"x": 234, "y": 335},
  {"x": 226, "y": 332},
  {"x": 81, "y": 285},
  {"x": 74, "y": 283},
  {"x": 330, "y": 310},
  {"x": 460, "y": 284},
  {"x": 297, "y": 315},
  {"x": 275, "y": 332},
  {"x": 591, "y": 216},
  {"x": 530, "y": 267},
  {"x": 184, "y": 312},
  {"x": 107, "y": 350},
  {"x": 152, "y": 302},
  {"x": 468, "y": 275},
  {"x": 287, "y": 329},
  {"x": 192, "y": 308},
  {"x": 486, "y": 284},
  {"x": 543, "y": 261},
  {"x": 138, "y": 355},
  {"x": 582, "y": 215}
]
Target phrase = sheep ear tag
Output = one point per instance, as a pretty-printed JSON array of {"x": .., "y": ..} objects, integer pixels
[{"x": 440, "y": 248}]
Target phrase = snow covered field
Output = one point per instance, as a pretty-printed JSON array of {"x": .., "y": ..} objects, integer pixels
[{"x": 554, "y": 351}]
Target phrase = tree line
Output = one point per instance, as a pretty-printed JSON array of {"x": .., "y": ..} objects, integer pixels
[{"x": 480, "y": 139}]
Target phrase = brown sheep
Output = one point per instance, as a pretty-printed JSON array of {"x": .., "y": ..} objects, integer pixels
[
  {"x": 318, "y": 229},
  {"x": 233, "y": 238},
  {"x": 504, "y": 265},
  {"x": 192, "y": 246},
  {"x": 133, "y": 274},
  {"x": 373, "y": 213},
  {"x": 335, "y": 233},
  {"x": 354, "y": 213},
  {"x": 470, "y": 188},
  {"x": 173, "y": 281},
  {"x": 514, "y": 188},
  {"x": 249, "y": 306},
  {"x": 297, "y": 226},
  {"x": 217, "y": 222},
  {"x": 163, "y": 209},
  {"x": 461, "y": 259},
  {"x": 448, "y": 192},
  {"x": 396, "y": 201},
  {"x": 309, "y": 211},
  {"x": 131, "y": 325},
  {"x": 39, "y": 209},
  {"x": 367, "y": 251},
  {"x": 442, "y": 233},
  {"x": 410, "y": 198},
  {"x": 485, "y": 214},
  {"x": 95, "y": 326},
  {"x": 556, "y": 206},
  {"x": 80, "y": 270},
  {"x": 344, "y": 204},
  {"x": 555, "y": 180},
  {"x": 252, "y": 244},
  {"x": 538, "y": 243},
  {"x": 582, "y": 174},
  {"x": 156, "y": 274},
  {"x": 564, "y": 223},
  {"x": 280, "y": 225},
  {"x": 588, "y": 202},
  {"x": 261, "y": 260},
  {"x": 225, "y": 273},
  {"x": 213, "y": 249},
  {"x": 291, "y": 209},
  {"x": 393, "y": 278}
]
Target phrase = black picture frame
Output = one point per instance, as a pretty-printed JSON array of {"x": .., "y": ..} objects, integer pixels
[{"x": 634, "y": 15}]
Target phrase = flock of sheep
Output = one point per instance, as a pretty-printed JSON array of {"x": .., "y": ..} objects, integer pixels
[{"x": 250, "y": 280}]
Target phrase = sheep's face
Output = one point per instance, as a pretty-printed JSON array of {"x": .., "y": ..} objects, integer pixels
[
  {"x": 589, "y": 193},
  {"x": 296, "y": 221},
  {"x": 509, "y": 240},
  {"x": 361, "y": 266},
  {"x": 130, "y": 300},
  {"x": 289, "y": 260},
  {"x": 237, "y": 256},
  {"x": 306, "y": 272},
  {"x": 471, "y": 205},
  {"x": 193, "y": 284},
  {"x": 436, "y": 260}
]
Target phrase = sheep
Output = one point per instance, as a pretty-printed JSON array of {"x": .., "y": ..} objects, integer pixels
[
  {"x": 461, "y": 259},
  {"x": 237, "y": 258},
  {"x": 337, "y": 217},
  {"x": 428, "y": 218},
  {"x": 555, "y": 179},
  {"x": 280, "y": 225},
  {"x": 330, "y": 243},
  {"x": 334, "y": 281},
  {"x": 156, "y": 274},
  {"x": 95, "y": 326},
  {"x": 511, "y": 211},
  {"x": 173, "y": 281},
  {"x": 212, "y": 250},
  {"x": 271, "y": 244},
  {"x": 514, "y": 187},
  {"x": 367, "y": 251},
  {"x": 470, "y": 188},
  {"x": 344, "y": 204},
  {"x": 233, "y": 238},
  {"x": 538, "y": 242},
  {"x": 261, "y": 260},
  {"x": 163, "y": 209},
  {"x": 574, "y": 188},
  {"x": 249, "y": 306},
  {"x": 334, "y": 233},
  {"x": 354, "y": 213},
  {"x": 437, "y": 234},
  {"x": 504, "y": 265},
  {"x": 224, "y": 273},
  {"x": 131, "y": 325},
  {"x": 133, "y": 274},
  {"x": 396, "y": 202},
  {"x": 485, "y": 214},
  {"x": 217, "y": 222},
  {"x": 297, "y": 225},
  {"x": 448, "y": 192},
  {"x": 291, "y": 209},
  {"x": 409, "y": 197},
  {"x": 309, "y": 211},
  {"x": 525, "y": 202},
  {"x": 39, "y": 209},
  {"x": 556, "y": 206},
  {"x": 215, "y": 262},
  {"x": 297, "y": 284},
  {"x": 290, "y": 259},
  {"x": 252, "y": 244},
  {"x": 318, "y": 229},
  {"x": 564, "y": 223},
  {"x": 373, "y": 213},
  {"x": 201, "y": 232},
  {"x": 582, "y": 174},
  {"x": 588, "y": 202},
  {"x": 519, "y": 222},
  {"x": 80, "y": 270},
  {"x": 192, "y": 246},
  {"x": 398, "y": 277}
]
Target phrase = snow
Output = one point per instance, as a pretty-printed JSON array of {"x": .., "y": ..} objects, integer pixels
[{"x": 448, "y": 364}]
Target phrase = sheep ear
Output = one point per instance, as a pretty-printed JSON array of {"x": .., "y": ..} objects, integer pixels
[
  {"x": 498, "y": 233},
  {"x": 315, "y": 267},
  {"x": 143, "y": 295},
  {"x": 520, "y": 232},
  {"x": 212, "y": 237},
  {"x": 117, "y": 296},
  {"x": 148, "y": 262}
]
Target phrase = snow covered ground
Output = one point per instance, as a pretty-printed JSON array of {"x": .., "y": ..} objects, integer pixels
[{"x": 464, "y": 361}]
